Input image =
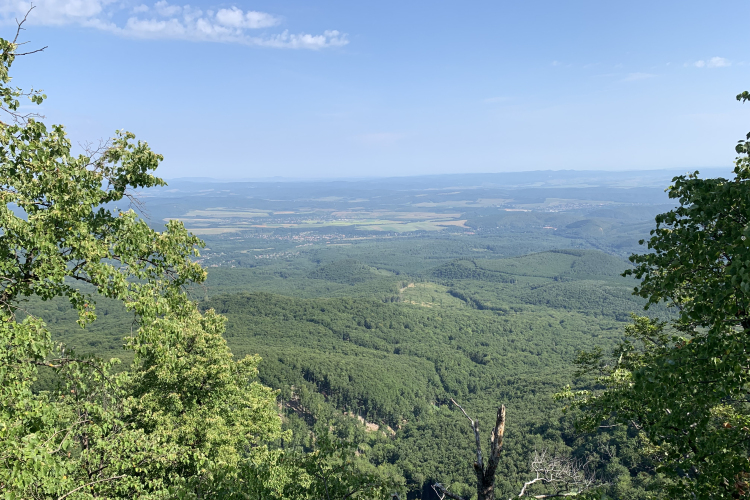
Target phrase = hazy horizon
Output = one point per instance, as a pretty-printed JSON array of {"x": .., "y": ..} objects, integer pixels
[{"x": 704, "y": 171}]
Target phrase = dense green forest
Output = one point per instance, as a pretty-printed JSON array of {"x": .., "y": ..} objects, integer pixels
[
  {"x": 377, "y": 354},
  {"x": 371, "y": 334},
  {"x": 342, "y": 340}
]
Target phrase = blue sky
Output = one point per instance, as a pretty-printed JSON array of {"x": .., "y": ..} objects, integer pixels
[{"x": 355, "y": 89}]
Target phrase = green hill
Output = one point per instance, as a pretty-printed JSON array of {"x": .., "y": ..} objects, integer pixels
[
  {"x": 346, "y": 271},
  {"x": 345, "y": 339}
]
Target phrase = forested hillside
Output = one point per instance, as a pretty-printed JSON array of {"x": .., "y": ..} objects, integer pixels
[{"x": 343, "y": 339}]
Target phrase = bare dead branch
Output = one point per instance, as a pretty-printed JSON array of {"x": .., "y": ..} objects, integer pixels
[
  {"x": 19, "y": 25},
  {"x": 442, "y": 493},
  {"x": 567, "y": 475},
  {"x": 556, "y": 495},
  {"x": 485, "y": 473},
  {"x": 31, "y": 51},
  {"x": 496, "y": 442},
  {"x": 479, "y": 465},
  {"x": 19, "y": 28},
  {"x": 463, "y": 411}
]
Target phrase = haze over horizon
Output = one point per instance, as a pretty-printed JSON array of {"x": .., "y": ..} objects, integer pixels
[
  {"x": 329, "y": 90},
  {"x": 633, "y": 174}
]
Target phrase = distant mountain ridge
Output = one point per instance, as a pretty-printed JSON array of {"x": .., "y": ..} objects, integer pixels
[{"x": 526, "y": 179}]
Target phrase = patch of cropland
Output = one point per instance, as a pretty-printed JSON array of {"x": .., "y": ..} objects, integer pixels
[{"x": 249, "y": 223}]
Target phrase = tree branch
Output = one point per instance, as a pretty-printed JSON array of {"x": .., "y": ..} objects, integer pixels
[
  {"x": 570, "y": 476},
  {"x": 90, "y": 484},
  {"x": 496, "y": 441},
  {"x": 445, "y": 493},
  {"x": 475, "y": 427},
  {"x": 19, "y": 28}
]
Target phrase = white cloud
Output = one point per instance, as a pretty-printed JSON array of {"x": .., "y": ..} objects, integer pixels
[
  {"x": 329, "y": 38},
  {"x": 714, "y": 62},
  {"x": 152, "y": 28},
  {"x": 251, "y": 19},
  {"x": 54, "y": 12},
  {"x": 165, "y": 20},
  {"x": 163, "y": 8},
  {"x": 718, "y": 62}
]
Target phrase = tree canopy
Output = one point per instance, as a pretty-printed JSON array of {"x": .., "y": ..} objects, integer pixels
[
  {"x": 684, "y": 385},
  {"x": 187, "y": 420}
]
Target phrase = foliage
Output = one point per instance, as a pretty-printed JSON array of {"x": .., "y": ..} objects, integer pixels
[
  {"x": 700, "y": 252},
  {"x": 347, "y": 271},
  {"x": 187, "y": 420},
  {"x": 684, "y": 384},
  {"x": 404, "y": 359},
  {"x": 333, "y": 471},
  {"x": 187, "y": 390},
  {"x": 397, "y": 365},
  {"x": 682, "y": 395}
]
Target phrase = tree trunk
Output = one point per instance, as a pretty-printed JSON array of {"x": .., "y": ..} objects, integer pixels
[
  {"x": 485, "y": 473},
  {"x": 486, "y": 489}
]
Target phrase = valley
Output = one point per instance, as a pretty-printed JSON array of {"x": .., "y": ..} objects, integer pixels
[{"x": 386, "y": 313}]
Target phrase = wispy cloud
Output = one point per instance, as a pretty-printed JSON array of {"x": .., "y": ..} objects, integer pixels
[
  {"x": 718, "y": 62},
  {"x": 163, "y": 20},
  {"x": 714, "y": 62},
  {"x": 632, "y": 77}
]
